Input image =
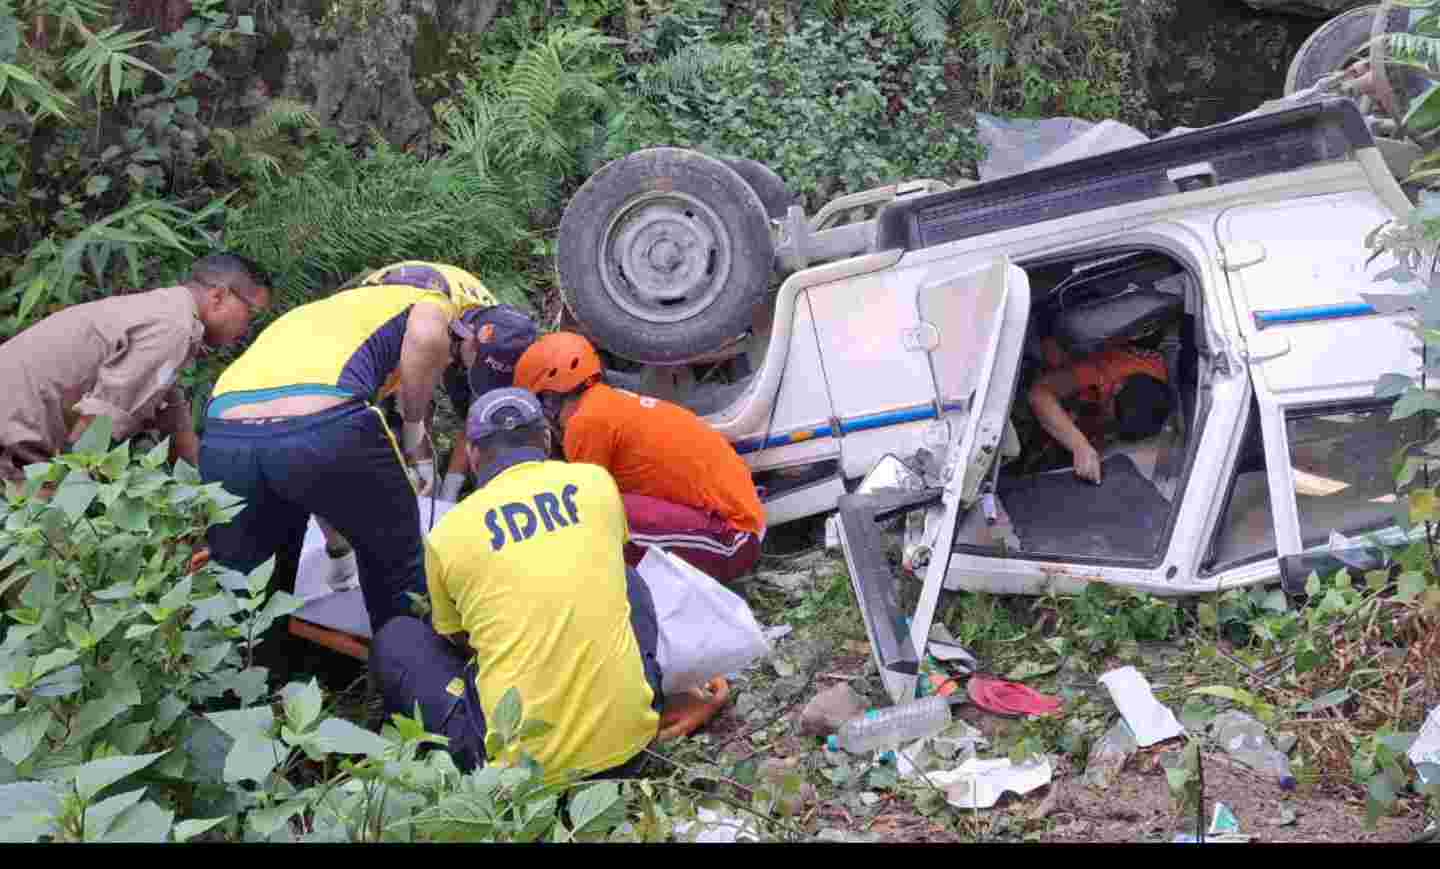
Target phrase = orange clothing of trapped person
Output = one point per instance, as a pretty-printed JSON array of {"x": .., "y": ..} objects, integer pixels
[
  {"x": 656, "y": 448},
  {"x": 1101, "y": 374}
]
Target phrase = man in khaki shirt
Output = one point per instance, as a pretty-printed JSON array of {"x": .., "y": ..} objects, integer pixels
[{"x": 120, "y": 357}]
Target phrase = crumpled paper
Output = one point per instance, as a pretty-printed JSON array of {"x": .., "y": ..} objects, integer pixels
[
  {"x": 1150, "y": 720},
  {"x": 978, "y": 784}
]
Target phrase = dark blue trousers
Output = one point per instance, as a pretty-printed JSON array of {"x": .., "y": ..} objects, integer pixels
[
  {"x": 338, "y": 464},
  {"x": 413, "y": 664}
]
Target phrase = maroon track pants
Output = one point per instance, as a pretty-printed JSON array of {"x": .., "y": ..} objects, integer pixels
[{"x": 703, "y": 539}]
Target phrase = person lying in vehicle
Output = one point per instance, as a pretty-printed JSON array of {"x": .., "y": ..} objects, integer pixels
[{"x": 1120, "y": 391}]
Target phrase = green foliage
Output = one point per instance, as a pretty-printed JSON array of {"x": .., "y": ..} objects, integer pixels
[
  {"x": 130, "y": 708},
  {"x": 106, "y": 200},
  {"x": 340, "y": 216},
  {"x": 830, "y": 108},
  {"x": 1107, "y": 616}
]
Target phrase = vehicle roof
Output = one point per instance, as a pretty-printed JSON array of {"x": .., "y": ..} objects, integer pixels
[{"x": 1258, "y": 144}]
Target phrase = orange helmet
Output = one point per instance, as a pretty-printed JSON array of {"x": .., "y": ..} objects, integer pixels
[{"x": 558, "y": 362}]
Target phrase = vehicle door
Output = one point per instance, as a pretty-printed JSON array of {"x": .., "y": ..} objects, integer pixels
[
  {"x": 968, "y": 329},
  {"x": 1315, "y": 348}
]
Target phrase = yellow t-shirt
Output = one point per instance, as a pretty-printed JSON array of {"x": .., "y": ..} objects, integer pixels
[
  {"x": 532, "y": 568},
  {"x": 346, "y": 345}
]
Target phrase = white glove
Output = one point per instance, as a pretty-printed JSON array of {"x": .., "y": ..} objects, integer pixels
[
  {"x": 450, "y": 489},
  {"x": 412, "y": 435}
]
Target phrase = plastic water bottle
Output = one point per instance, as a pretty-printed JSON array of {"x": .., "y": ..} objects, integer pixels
[
  {"x": 1244, "y": 739},
  {"x": 892, "y": 726}
]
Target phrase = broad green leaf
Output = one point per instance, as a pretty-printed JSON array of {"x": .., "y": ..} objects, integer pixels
[
  {"x": 257, "y": 579},
  {"x": 1236, "y": 695},
  {"x": 117, "y": 460},
  {"x": 266, "y": 822},
  {"x": 145, "y": 822},
  {"x": 209, "y": 658},
  {"x": 135, "y": 632},
  {"x": 28, "y": 810},
  {"x": 61, "y": 683},
  {"x": 1176, "y": 779},
  {"x": 97, "y": 775},
  {"x": 130, "y": 514},
  {"x": 245, "y": 24},
  {"x": 591, "y": 803},
  {"x": 242, "y": 723},
  {"x": 177, "y": 596},
  {"x": 96, "y": 439},
  {"x": 53, "y": 661},
  {"x": 187, "y": 830},
  {"x": 508, "y": 712},
  {"x": 95, "y": 715},
  {"x": 99, "y": 817},
  {"x": 1424, "y": 114},
  {"x": 1325, "y": 701},
  {"x": 29, "y": 731},
  {"x": 254, "y": 758},
  {"x": 1410, "y": 585},
  {"x": 1205, "y": 614},
  {"x": 303, "y": 705},
  {"x": 338, "y": 736},
  {"x": 1028, "y": 669},
  {"x": 1391, "y": 385},
  {"x": 75, "y": 494}
]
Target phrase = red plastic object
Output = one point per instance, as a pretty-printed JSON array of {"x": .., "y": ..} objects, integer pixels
[{"x": 1010, "y": 698}]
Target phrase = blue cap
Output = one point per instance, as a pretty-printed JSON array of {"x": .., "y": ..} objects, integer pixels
[
  {"x": 504, "y": 333},
  {"x": 503, "y": 409}
]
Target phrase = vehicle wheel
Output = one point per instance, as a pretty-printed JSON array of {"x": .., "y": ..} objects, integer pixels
[
  {"x": 769, "y": 186},
  {"x": 1336, "y": 42},
  {"x": 663, "y": 254}
]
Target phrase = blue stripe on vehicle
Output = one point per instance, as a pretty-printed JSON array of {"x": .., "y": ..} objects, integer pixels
[
  {"x": 868, "y": 422},
  {"x": 1312, "y": 314}
]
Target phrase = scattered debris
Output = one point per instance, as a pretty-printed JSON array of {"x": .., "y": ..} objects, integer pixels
[
  {"x": 719, "y": 827},
  {"x": 1010, "y": 699},
  {"x": 1245, "y": 740},
  {"x": 944, "y": 647},
  {"x": 847, "y": 836},
  {"x": 1109, "y": 756},
  {"x": 1285, "y": 741},
  {"x": 777, "y": 632},
  {"x": 1287, "y": 817},
  {"x": 829, "y": 709},
  {"x": 1150, "y": 721},
  {"x": 1426, "y": 748},
  {"x": 1223, "y": 821},
  {"x": 869, "y": 798},
  {"x": 978, "y": 784}
]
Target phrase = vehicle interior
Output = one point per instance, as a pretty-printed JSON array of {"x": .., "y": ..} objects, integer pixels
[{"x": 1139, "y": 299}]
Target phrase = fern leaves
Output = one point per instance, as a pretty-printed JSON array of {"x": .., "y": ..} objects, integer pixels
[
  {"x": 685, "y": 69},
  {"x": 929, "y": 19}
]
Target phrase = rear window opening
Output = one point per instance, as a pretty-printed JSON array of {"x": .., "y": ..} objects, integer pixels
[{"x": 1132, "y": 303}]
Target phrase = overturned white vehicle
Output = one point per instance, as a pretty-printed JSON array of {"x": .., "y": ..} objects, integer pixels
[{"x": 1244, "y": 241}]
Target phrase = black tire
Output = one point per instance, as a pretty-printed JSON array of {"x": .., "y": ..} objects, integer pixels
[
  {"x": 769, "y": 186},
  {"x": 1333, "y": 43},
  {"x": 687, "y": 224}
]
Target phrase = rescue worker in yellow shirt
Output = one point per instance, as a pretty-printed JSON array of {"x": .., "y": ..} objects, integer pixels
[
  {"x": 529, "y": 590},
  {"x": 293, "y": 427}
]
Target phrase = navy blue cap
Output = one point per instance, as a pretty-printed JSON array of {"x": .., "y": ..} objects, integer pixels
[
  {"x": 505, "y": 333},
  {"x": 502, "y": 409}
]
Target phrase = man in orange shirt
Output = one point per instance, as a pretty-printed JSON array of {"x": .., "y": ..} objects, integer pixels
[
  {"x": 1121, "y": 389},
  {"x": 685, "y": 488}
]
